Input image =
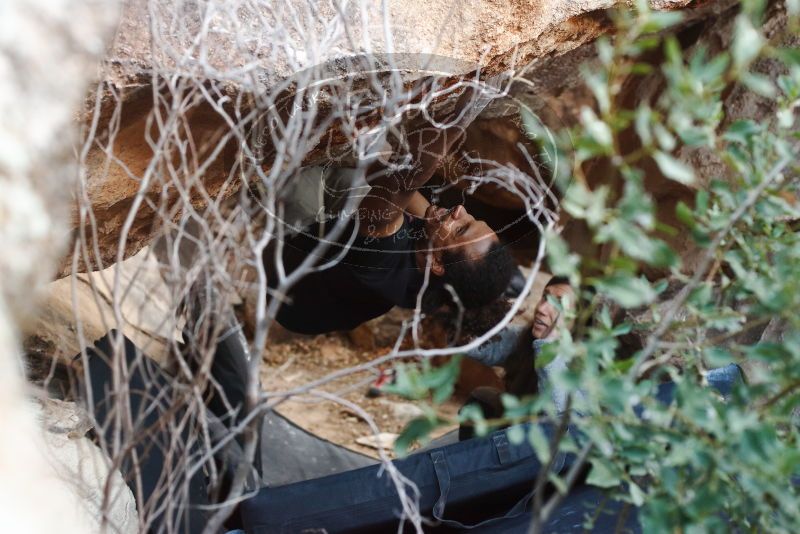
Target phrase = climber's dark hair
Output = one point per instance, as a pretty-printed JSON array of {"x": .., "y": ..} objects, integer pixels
[
  {"x": 558, "y": 281},
  {"x": 477, "y": 283}
]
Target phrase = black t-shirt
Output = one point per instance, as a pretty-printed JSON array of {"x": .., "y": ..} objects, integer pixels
[{"x": 375, "y": 275}]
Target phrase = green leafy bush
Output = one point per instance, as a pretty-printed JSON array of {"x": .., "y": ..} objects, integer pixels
[{"x": 703, "y": 462}]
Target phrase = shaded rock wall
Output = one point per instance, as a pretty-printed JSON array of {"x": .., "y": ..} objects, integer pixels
[{"x": 163, "y": 57}]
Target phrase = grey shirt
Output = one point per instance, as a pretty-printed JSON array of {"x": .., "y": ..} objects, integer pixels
[
  {"x": 498, "y": 351},
  {"x": 495, "y": 351}
]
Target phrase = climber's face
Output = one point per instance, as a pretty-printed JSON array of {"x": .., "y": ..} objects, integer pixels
[{"x": 456, "y": 232}]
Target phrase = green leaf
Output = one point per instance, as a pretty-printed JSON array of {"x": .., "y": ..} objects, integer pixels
[
  {"x": 623, "y": 366},
  {"x": 717, "y": 356},
  {"x": 515, "y": 434},
  {"x": 546, "y": 355},
  {"x": 790, "y": 56},
  {"x": 562, "y": 262},
  {"x": 723, "y": 191},
  {"x": 473, "y": 414},
  {"x": 637, "y": 244},
  {"x": 742, "y": 131},
  {"x": 627, "y": 290},
  {"x": 598, "y": 130},
  {"x": 602, "y": 475},
  {"x": 605, "y": 52},
  {"x": 760, "y": 85},
  {"x": 406, "y": 383},
  {"x": 674, "y": 169},
  {"x": 582, "y": 203},
  {"x": 747, "y": 42},
  {"x": 533, "y": 127},
  {"x": 637, "y": 495},
  {"x": 417, "y": 382},
  {"x": 643, "y": 115},
  {"x": 714, "y": 69},
  {"x": 509, "y": 402},
  {"x": 767, "y": 351},
  {"x": 701, "y": 296},
  {"x": 660, "y": 20},
  {"x": 622, "y": 329},
  {"x": 786, "y": 118},
  {"x": 417, "y": 430},
  {"x": 636, "y": 205},
  {"x": 685, "y": 214},
  {"x": 597, "y": 82},
  {"x": 701, "y": 201},
  {"x": 672, "y": 50},
  {"x": 641, "y": 69},
  {"x": 636, "y": 48},
  {"x": 790, "y": 85},
  {"x": 539, "y": 442},
  {"x": 442, "y": 380},
  {"x": 665, "y": 139}
]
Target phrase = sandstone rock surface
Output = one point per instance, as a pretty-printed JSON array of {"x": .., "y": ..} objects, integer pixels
[
  {"x": 216, "y": 58},
  {"x": 78, "y": 310},
  {"x": 48, "y": 51},
  {"x": 104, "y": 499}
]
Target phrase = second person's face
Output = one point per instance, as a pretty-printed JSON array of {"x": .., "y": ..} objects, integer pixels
[{"x": 548, "y": 319}]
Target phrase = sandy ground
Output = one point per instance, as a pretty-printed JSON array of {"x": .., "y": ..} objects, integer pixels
[
  {"x": 292, "y": 361},
  {"x": 298, "y": 360}
]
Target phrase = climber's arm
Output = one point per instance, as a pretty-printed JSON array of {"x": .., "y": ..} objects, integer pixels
[
  {"x": 417, "y": 205},
  {"x": 394, "y": 191},
  {"x": 497, "y": 350}
]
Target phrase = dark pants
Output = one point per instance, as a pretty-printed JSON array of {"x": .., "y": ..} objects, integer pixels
[
  {"x": 225, "y": 395},
  {"x": 153, "y": 446},
  {"x": 229, "y": 371}
]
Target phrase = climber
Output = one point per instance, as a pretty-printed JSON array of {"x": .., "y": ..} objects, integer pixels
[{"x": 393, "y": 238}]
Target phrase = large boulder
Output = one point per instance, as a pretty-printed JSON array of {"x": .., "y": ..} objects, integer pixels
[
  {"x": 162, "y": 135},
  {"x": 105, "y": 501},
  {"x": 48, "y": 54},
  {"x": 79, "y": 309}
]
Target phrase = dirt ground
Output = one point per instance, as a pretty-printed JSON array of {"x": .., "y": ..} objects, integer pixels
[
  {"x": 291, "y": 361},
  {"x": 297, "y": 360}
]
